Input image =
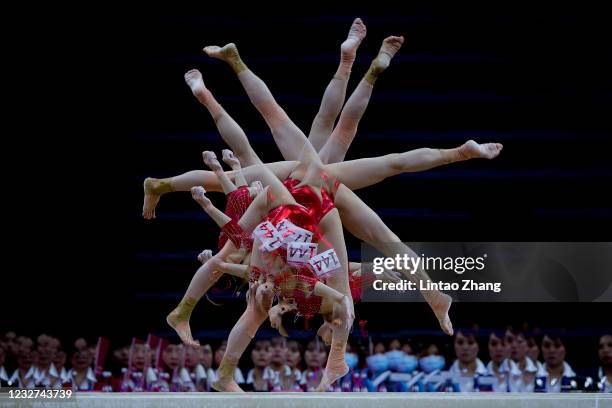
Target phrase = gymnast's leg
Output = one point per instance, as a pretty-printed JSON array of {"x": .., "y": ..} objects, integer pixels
[
  {"x": 336, "y": 146},
  {"x": 361, "y": 221},
  {"x": 360, "y": 173},
  {"x": 334, "y": 95},
  {"x": 290, "y": 140}
]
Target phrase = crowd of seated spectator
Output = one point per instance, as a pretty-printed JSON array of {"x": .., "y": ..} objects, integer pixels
[{"x": 516, "y": 362}]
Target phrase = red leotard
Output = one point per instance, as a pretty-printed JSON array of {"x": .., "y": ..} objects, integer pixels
[
  {"x": 237, "y": 203},
  {"x": 306, "y": 196}
]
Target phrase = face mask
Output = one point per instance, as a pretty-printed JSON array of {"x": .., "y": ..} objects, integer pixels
[
  {"x": 432, "y": 363},
  {"x": 407, "y": 364},
  {"x": 394, "y": 357},
  {"x": 377, "y": 362},
  {"x": 351, "y": 360}
]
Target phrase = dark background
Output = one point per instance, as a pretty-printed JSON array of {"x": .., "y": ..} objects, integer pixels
[{"x": 110, "y": 107}]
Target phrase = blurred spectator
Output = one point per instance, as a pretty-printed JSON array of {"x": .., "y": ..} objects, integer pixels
[
  {"x": 193, "y": 375},
  {"x": 81, "y": 374},
  {"x": 260, "y": 377},
  {"x": 605, "y": 359},
  {"x": 284, "y": 379},
  {"x": 10, "y": 339},
  {"x": 59, "y": 361},
  {"x": 467, "y": 365},
  {"x": 45, "y": 373},
  {"x": 431, "y": 350},
  {"x": 169, "y": 376},
  {"x": 277, "y": 366},
  {"x": 407, "y": 348},
  {"x": 501, "y": 366},
  {"x": 206, "y": 359},
  {"x": 119, "y": 360},
  {"x": 23, "y": 376},
  {"x": 379, "y": 348},
  {"x": 517, "y": 342},
  {"x": 294, "y": 359},
  {"x": 315, "y": 357},
  {"x": 395, "y": 344},
  {"x": 555, "y": 369},
  {"x": 3, "y": 374},
  {"x": 533, "y": 348}
]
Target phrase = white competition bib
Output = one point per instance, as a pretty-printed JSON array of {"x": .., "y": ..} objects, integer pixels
[
  {"x": 325, "y": 262},
  {"x": 293, "y": 233},
  {"x": 269, "y": 236},
  {"x": 301, "y": 252}
]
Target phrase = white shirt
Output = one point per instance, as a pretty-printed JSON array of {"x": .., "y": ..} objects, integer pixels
[
  {"x": 463, "y": 378},
  {"x": 267, "y": 376},
  {"x": 508, "y": 374},
  {"x": 554, "y": 385},
  {"x": 604, "y": 380},
  {"x": 286, "y": 373},
  {"x": 88, "y": 382},
  {"x": 297, "y": 374},
  {"x": 530, "y": 371},
  {"x": 3, "y": 374},
  {"x": 28, "y": 380},
  {"x": 306, "y": 374},
  {"x": 48, "y": 378},
  {"x": 63, "y": 375}
]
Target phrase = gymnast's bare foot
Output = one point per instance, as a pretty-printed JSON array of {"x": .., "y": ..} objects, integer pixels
[
  {"x": 227, "y": 53},
  {"x": 348, "y": 49},
  {"x": 440, "y": 304},
  {"x": 336, "y": 367},
  {"x": 153, "y": 190},
  {"x": 194, "y": 81},
  {"x": 180, "y": 324},
  {"x": 226, "y": 386},
  {"x": 389, "y": 48},
  {"x": 150, "y": 198},
  {"x": 473, "y": 150},
  {"x": 210, "y": 159},
  {"x": 205, "y": 255}
]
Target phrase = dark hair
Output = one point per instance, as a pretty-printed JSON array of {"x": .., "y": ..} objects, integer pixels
[{"x": 276, "y": 341}]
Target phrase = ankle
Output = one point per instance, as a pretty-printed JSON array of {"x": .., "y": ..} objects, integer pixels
[
  {"x": 159, "y": 186},
  {"x": 452, "y": 155},
  {"x": 372, "y": 75},
  {"x": 237, "y": 64},
  {"x": 203, "y": 96}
]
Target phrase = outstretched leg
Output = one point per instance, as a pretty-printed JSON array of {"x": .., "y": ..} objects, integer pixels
[
  {"x": 354, "y": 174},
  {"x": 360, "y": 173},
  {"x": 341, "y": 138},
  {"x": 361, "y": 221},
  {"x": 229, "y": 130},
  {"x": 335, "y": 93},
  {"x": 290, "y": 140}
]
